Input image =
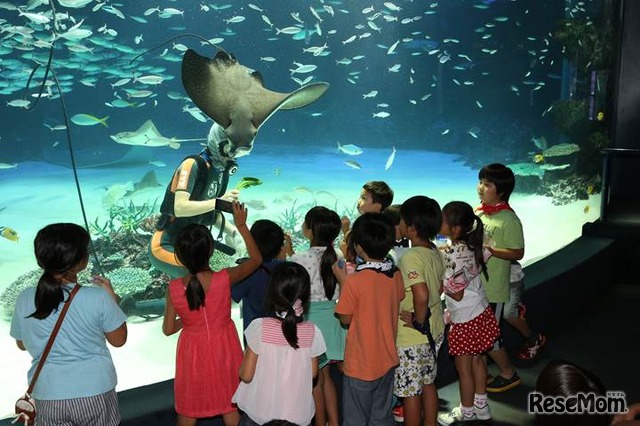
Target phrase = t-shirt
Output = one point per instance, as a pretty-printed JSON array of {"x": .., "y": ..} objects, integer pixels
[
  {"x": 373, "y": 299},
  {"x": 79, "y": 364},
  {"x": 310, "y": 259},
  {"x": 421, "y": 265},
  {"x": 252, "y": 291},
  {"x": 282, "y": 385},
  {"x": 462, "y": 272},
  {"x": 505, "y": 231}
]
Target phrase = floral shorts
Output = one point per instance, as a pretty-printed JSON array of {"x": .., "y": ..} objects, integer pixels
[{"x": 418, "y": 367}]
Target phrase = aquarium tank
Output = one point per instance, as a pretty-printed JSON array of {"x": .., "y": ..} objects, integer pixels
[{"x": 95, "y": 117}]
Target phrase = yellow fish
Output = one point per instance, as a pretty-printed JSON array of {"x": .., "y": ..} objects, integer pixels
[
  {"x": 586, "y": 209},
  {"x": 538, "y": 158},
  {"x": 9, "y": 233},
  {"x": 590, "y": 189},
  {"x": 600, "y": 116}
]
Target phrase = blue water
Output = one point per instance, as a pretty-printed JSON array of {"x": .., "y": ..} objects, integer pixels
[{"x": 474, "y": 82}]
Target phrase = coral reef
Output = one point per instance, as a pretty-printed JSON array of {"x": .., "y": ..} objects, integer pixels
[
  {"x": 128, "y": 281},
  {"x": 571, "y": 189},
  {"x": 10, "y": 295},
  {"x": 587, "y": 45}
]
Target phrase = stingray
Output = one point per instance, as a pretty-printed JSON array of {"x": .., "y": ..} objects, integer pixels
[
  {"x": 148, "y": 135},
  {"x": 234, "y": 96}
]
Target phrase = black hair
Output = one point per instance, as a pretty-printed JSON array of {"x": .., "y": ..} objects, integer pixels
[
  {"x": 193, "y": 249},
  {"x": 374, "y": 233},
  {"x": 325, "y": 225},
  {"x": 393, "y": 213},
  {"x": 423, "y": 213},
  {"x": 269, "y": 238},
  {"x": 459, "y": 213},
  {"x": 380, "y": 193},
  {"x": 59, "y": 248},
  {"x": 566, "y": 379},
  {"x": 289, "y": 281},
  {"x": 501, "y": 176}
]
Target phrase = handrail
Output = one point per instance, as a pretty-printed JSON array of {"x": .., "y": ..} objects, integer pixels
[
  {"x": 621, "y": 152},
  {"x": 608, "y": 153}
]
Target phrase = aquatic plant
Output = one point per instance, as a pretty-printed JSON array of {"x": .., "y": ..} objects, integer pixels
[
  {"x": 570, "y": 116},
  {"x": 128, "y": 281},
  {"x": 291, "y": 218},
  {"x": 125, "y": 218},
  {"x": 586, "y": 44}
]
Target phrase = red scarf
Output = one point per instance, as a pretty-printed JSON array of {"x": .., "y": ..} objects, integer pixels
[{"x": 489, "y": 210}]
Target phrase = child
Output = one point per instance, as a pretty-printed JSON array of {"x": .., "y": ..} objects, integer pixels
[
  {"x": 322, "y": 226},
  {"x": 505, "y": 241},
  {"x": 369, "y": 304},
  {"x": 78, "y": 380},
  {"x": 375, "y": 196},
  {"x": 273, "y": 246},
  {"x": 514, "y": 312},
  {"x": 401, "y": 244},
  {"x": 422, "y": 270},
  {"x": 209, "y": 353},
  {"x": 281, "y": 357},
  {"x": 473, "y": 325}
]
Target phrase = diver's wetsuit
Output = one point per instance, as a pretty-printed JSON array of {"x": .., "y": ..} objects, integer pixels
[{"x": 188, "y": 177}]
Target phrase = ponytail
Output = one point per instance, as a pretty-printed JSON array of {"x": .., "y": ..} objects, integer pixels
[
  {"x": 194, "y": 293},
  {"x": 48, "y": 296},
  {"x": 475, "y": 240},
  {"x": 329, "y": 257}
]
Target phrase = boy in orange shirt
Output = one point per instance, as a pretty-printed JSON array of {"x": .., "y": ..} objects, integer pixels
[{"x": 368, "y": 304}]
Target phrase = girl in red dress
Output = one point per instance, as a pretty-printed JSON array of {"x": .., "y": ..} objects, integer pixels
[{"x": 209, "y": 354}]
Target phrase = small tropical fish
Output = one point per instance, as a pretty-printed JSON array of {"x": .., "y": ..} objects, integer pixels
[
  {"x": 590, "y": 189},
  {"x": 538, "y": 158},
  {"x": 472, "y": 134},
  {"x": 248, "y": 182},
  {"x": 349, "y": 149},
  {"x": 586, "y": 209},
  {"x": 391, "y": 159},
  {"x": 353, "y": 164},
  {"x": 88, "y": 120},
  {"x": 4, "y": 166},
  {"x": 444, "y": 132},
  {"x": 9, "y": 233},
  {"x": 381, "y": 114},
  {"x": 157, "y": 163}
]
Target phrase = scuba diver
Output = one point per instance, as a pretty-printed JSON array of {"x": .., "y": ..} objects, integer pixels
[{"x": 198, "y": 193}]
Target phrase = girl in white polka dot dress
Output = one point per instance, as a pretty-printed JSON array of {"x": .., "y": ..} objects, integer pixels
[{"x": 473, "y": 329}]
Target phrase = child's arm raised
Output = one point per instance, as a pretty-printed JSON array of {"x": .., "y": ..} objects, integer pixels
[{"x": 243, "y": 270}]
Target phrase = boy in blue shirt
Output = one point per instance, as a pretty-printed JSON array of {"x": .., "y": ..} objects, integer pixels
[{"x": 274, "y": 246}]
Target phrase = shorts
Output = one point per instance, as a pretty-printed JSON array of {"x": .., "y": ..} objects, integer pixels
[
  {"x": 418, "y": 367},
  {"x": 498, "y": 310},
  {"x": 516, "y": 289},
  {"x": 90, "y": 411}
]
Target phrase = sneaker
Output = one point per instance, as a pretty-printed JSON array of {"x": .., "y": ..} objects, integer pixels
[
  {"x": 398, "y": 413},
  {"x": 522, "y": 310},
  {"x": 500, "y": 384},
  {"x": 531, "y": 350},
  {"x": 490, "y": 378},
  {"x": 455, "y": 416},
  {"x": 483, "y": 413}
]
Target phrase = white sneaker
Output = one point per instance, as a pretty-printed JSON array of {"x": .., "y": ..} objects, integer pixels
[
  {"x": 454, "y": 416},
  {"x": 483, "y": 413}
]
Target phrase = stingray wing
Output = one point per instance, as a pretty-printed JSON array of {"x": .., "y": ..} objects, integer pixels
[
  {"x": 221, "y": 87},
  {"x": 274, "y": 101}
]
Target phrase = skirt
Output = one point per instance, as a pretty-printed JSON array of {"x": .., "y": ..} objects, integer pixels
[
  {"x": 322, "y": 314},
  {"x": 474, "y": 337}
]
